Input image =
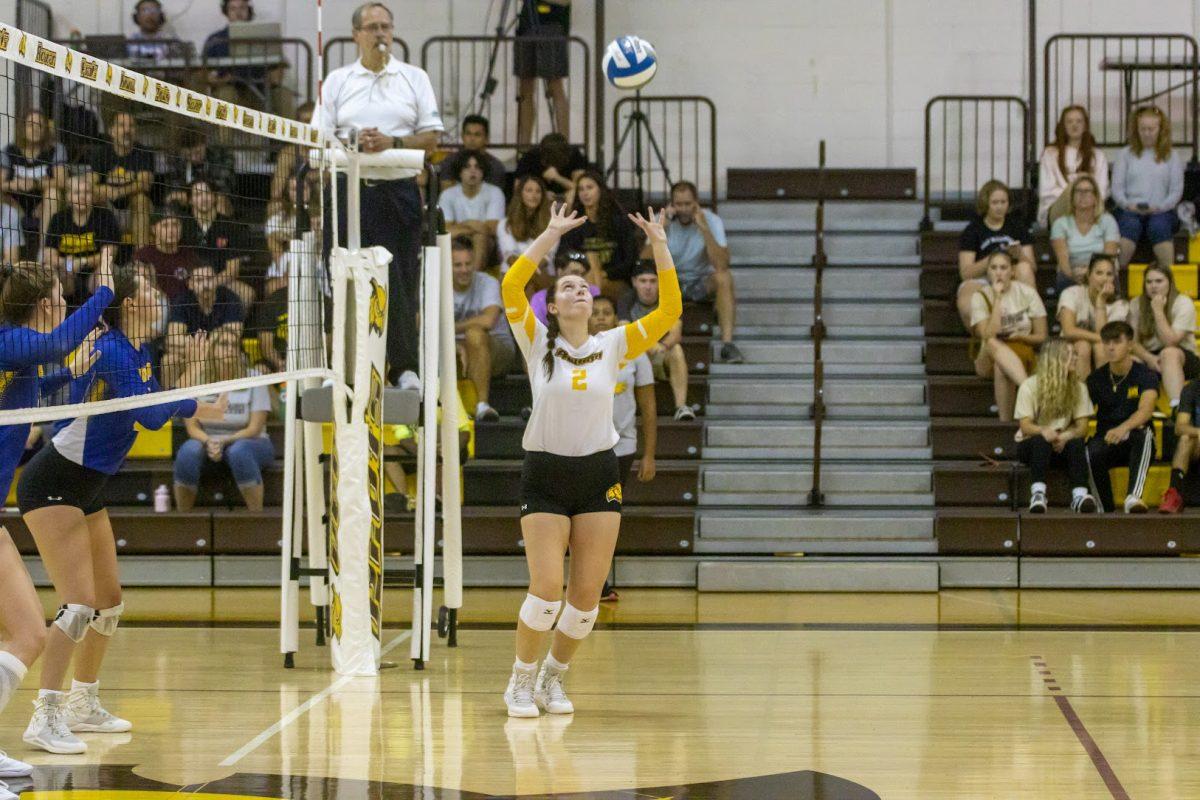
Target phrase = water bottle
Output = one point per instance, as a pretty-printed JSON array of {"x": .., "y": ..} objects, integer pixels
[{"x": 162, "y": 499}]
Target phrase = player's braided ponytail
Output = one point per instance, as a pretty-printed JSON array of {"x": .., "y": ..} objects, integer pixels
[{"x": 551, "y": 338}]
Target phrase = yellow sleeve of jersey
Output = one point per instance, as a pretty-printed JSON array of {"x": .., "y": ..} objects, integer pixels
[
  {"x": 640, "y": 335},
  {"x": 516, "y": 306}
]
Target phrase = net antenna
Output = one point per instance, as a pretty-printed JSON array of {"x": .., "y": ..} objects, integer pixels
[{"x": 361, "y": 407}]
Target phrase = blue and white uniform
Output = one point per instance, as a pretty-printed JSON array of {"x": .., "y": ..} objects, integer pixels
[{"x": 26, "y": 374}]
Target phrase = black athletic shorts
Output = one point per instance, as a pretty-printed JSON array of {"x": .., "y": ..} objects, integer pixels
[
  {"x": 49, "y": 479},
  {"x": 567, "y": 485},
  {"x": 540, "y": 55},
  {"x": 625, "y": 467}
]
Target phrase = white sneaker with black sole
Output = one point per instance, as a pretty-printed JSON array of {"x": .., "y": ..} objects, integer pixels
[
  {"x": 1135, "y": 505},
  {"x": 48, "y": 728},
  {"x": 84, "y": 714},
  {"x": 1084, "y": 504},
  {"x": 485, "y": 413},
  {"x": 549, "y": 694},
  {"x": 12, "y": 768},
  {"x": 1037, "y": 503},
  {"x": 684, "y": 413},
  {"x": 519, "y": 694}
]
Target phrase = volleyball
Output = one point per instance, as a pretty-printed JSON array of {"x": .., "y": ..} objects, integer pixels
[{"x": 630, "y": 62}]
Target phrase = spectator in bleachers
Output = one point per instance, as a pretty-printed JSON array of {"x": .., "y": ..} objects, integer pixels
[
  {"x": 473, "y": 207},
  {"x": 1164, "y": 326},
  {"x": 260, "y": 88},
  {"x": 567, "y": 262},
  {"x": 1187, "y": 447},
  {"x": 271, "y": 323},
  {"x": 172, "y": 262},
  {"x": 1083, "y": 310},
  {"x": 475, "y": 132},
  {"x": 698, "y": 246},
  {"x": 153, "y": 38},
  {"x": 1085, "y": 230},
  {"x": 556, "y": 162},
  {"x": 33, "y": 169},
  {"x": 666, "y": 356},
  {"x": 291, "y": 161},
  {"x": 239, "y": 440},
  {"x": 12, "y": 237},
  {"x": 548, "y": 60},
  {"x": 1124, "y": 392},
  {"x": 124, "y": 174},
  {"x": 1147, "y": 184},
  {"x": 217, "y": 240},
  {"x": 79, "y": 235},
  {"x": 207, "y": 306},
  {"x": 608, "y": 238},
  {"x": 1009, "y": 321},
  {"x": 281, "y": 225},
  {"x": 1072, "y": 154},
  {"x": 992, "y": 229},
  {"x": 197, "y": 159},
  {"x": 1053, "y": 408},
  {"x": 485, "y": 344},
  {"x": 528, "y": 215},
  {"x": 406, "y": 448}
]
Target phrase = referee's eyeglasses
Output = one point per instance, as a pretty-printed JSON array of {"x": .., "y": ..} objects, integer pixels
[{"x": 377, "y": 27}]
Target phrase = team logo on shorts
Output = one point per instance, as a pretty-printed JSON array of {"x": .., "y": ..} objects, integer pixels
[{"x": 613, "y": 495}]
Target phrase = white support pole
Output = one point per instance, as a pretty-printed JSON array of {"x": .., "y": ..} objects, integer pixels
[
  {"x": 289, "y": 601},
  {"x": 424, "y": 560},
  {"x": 451, "y": 479}
]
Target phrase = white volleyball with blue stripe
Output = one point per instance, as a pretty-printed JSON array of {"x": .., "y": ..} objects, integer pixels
[{"x": 630, "y": 62}]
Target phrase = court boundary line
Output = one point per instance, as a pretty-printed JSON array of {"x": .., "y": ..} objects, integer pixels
[
  {"x": 1082, "y": 627},
  {"x": 1099, "y": 760},
  {"x": 302, "y": 709}
]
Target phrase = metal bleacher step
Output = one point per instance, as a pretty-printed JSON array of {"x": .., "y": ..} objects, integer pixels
[
  {"x": 882, "y": 246},
  {"x": 842, "y": 484},
  {"x": 767, "y": 312},
  {"x": 804, "y": 410},
  {"x": 750, "y": 215},
  {"x": 797, "y": 284},
  {"x": 781, "y": 530},
  {"x": 838, "y": 392},
  {"x": 833, "y": 332},
  {"x": 833, "y": 352},
  {"x": 832, "y": 369},
  {"x": 869, "y": 441}
]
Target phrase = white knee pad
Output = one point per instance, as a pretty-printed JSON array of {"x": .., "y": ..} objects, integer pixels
[
  {"x": 539, "y": 614},
  {"x": 575, "y": 623},
  {"x": 105, "y": 622},
  {"x": 73, "y": 620}
]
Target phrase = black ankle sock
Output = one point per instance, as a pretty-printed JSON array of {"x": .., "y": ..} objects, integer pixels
[{"x": 1177, "y": 476}]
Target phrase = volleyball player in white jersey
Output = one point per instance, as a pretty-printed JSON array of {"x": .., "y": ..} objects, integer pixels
[{"x": 570, "y": 482}]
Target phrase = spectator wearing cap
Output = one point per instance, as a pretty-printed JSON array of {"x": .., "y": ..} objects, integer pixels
[
  {"x": 172, "y": 262},
  {"x": 473, "y": 208},
  {"x": 475, "y": 133},
  {"x": 666, "y": 356}
]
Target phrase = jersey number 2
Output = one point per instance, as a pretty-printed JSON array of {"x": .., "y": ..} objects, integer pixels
[{"x": 579, "y": 380}]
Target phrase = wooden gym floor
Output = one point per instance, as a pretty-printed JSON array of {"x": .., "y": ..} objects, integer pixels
[{"x": 962, "y": 694}]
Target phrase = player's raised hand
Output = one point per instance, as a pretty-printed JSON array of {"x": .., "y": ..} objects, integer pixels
[
  {"x": 654, "y": 227},
  {"x": 84, "y": 357},
  {"x": 561, "y": 222}
]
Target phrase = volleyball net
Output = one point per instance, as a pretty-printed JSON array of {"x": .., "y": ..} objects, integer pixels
[{"x": 213, "y": 225}]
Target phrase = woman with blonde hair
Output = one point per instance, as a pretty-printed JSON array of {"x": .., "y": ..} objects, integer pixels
[
  {"x": 1072, "y": 155},
  {"x": 1164, "y": 331},
  {"x": 1083, "y": 309},
  {"x": 1086, "y": 230},
  {"x": 1053, "y": 407},
  {"x": 1147, "y": 184},
  {"x": 1008, "y": 320}
]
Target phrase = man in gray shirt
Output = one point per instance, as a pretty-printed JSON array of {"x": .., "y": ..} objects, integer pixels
[{"x": 485, "y": 342}]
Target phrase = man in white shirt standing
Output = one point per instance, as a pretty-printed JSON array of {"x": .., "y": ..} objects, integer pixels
[
  {"x": 472, "y": 207},
  {"x": 393, "y": 106}
]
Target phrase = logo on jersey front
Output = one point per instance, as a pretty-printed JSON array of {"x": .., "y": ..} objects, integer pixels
[
  {"x": 579, "y": 362},
  {"x": 613, "y": 495}
]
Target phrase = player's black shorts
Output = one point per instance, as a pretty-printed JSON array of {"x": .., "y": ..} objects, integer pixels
[
  {"x": 49, "y": 479},
  {"x": 625, "y": 467},
  {"x": 570, "y": 485},
  {"x": 538, "y": 55}
]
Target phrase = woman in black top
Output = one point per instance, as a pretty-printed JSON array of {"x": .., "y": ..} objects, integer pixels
[
  {"x": 608, "y": 237},
  {"x": 993, "y": 228},
  {"x": 33, "y": 169}
]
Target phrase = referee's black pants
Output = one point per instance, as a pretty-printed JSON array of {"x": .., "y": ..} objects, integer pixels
[
  {"x": 391, "y": 218},
  {"x": 1136, "y": 452}
]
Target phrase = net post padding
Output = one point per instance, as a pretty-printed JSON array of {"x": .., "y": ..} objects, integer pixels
[
  {"x": 356, "y": 514},
  {"x": 451, "y": 479},
  {"x": 424, "y": 552}
]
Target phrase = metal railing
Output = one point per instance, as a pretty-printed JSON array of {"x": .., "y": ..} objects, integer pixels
[
  {"x": 816, "y": 497},
  {"x": 35, "y": 17},
  {"x": 971, "y": 139},
  {"x": 458, "y": 68},
  {"x": 341, "y": 50},
  {"x": 660, "y": 140},
  {"x": 1111, "y": 74},
  {"x": 293, "y": 55}
]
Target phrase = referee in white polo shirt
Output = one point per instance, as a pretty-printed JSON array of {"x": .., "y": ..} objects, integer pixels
[{"x": 393, "y": 106}]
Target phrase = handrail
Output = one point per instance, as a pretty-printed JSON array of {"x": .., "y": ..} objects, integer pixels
[
  {"x": 1102, "y": 72},
  {"x": 338, "y": 42},
  {"x": 673, "y": 130},
  {"x": 993, "y": 150},
  {"x": 815, "y": 497}
]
